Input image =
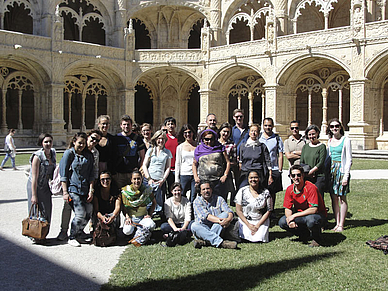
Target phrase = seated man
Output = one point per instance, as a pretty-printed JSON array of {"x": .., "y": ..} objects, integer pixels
[
  {"x": 305, "y": 211},
  {"x": 212, "y": 216}
]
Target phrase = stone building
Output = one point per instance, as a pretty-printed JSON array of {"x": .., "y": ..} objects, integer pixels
[{"x": 64, "y": 62}]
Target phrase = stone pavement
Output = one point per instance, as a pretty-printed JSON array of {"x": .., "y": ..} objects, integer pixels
[{"x": 58, "y": 266}]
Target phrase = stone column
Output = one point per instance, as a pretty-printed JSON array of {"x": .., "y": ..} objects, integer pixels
[
  {"x": 69, "y": 123},
  {"x": 309, "y": 108},
  {"x": 324, "y": 111},
  {"x": 250, "y": 99},
  {"x": 204, "y": 107},
  {"x": 55, "y": 123},
  {"x": 340, "y": 104},
  {"x": 83, "y": 112},
  {"x": 120, "y": 17},
  {"x": 270, "y": 106},
  {"x": 263, "y": 112},
  {"x": 215, "y": 21},
  {"x": 281, "y": 16},
  {"x": 1, "y": 20},
  {"x": 129, "y": 102},
  {"x": 326, "y": 15},
  {"x": 4, "y": 126},
  {"x": 20, "y": 122},
  {"x": 95, "y": 107}
]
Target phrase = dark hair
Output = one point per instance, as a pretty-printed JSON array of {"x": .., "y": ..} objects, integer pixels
[
  {"x": 268, "y": 119},
  {"x": 311, "y": 127},
  {"x": 11, "y": 130},
  {"x": 136, "y": 171},
  {"x": 126, "y": 117},
  {"x": 204, "y": 182},
  {"x": 174, "y": 185},
  {"x": 96, "y": 131},
  {"x": 238, "y": 110},
  {"x": 297, "y": 167},
  {"x": 295, "y": 121},
  {"x": 77, "y": 136},
  {"x": 136, "y": 128},
  {"x": 211, "y": 114},
  {"x": 172, "y": 119},
  {"x": 328, "y": 131},
  {"x": 114, "y": 189},
  {"x": 185, "y": 127},
  {"x": 225, "y": 125},
  {"x": 42, "y": 136}
]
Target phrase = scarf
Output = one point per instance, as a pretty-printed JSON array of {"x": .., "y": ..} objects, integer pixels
[
  {"x": 252, "y": 143},
  {"x": 203, "y": 150},
  {"x": 135, "y": 198}
]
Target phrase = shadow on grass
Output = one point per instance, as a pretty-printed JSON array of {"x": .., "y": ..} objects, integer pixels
[
  {"x": 364, "y": 222},
  {"x": 227, "y": 279}
]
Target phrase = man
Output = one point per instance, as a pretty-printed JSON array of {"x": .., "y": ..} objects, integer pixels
[
  {"x": 171, "y": 145},
  {"x": 275, "y": 147},
  {"x": 240, "y": 132},
  {"x": 305, "y": 211},
  {"x": 9, "y": 149},
  {"x": 212, "y": 216},
  {"x": 294, "y": 144},
  {"x": 211, "y": 123},
  {"x": 130, "y": 152}
]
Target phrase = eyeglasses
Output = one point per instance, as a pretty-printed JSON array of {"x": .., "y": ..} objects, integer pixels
[
  {"x": 105, "y": 179},
  {"x": 207, "y": 138},
  {"x": 335, "y": 125},
  {"x": 187, "y": 132},
  {"x": 239, "y": 116},
  {"x": 94, "y": 138},
  {"x": 294, "y": 128},
  {"x": 296, "y": 175}
]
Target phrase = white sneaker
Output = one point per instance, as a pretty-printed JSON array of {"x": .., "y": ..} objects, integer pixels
[{"x": 73, "y": 243}]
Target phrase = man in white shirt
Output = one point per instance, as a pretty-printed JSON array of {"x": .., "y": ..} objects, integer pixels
[{"x": 9, "y": 149}]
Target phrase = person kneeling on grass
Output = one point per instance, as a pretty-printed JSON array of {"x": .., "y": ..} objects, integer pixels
[
  {"x": 305, "y": 212},
  {"x": 212, "y": 216}
]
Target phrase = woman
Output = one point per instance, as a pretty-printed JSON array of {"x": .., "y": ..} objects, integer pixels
[
  {"x": 177, "y": 210},
  {"x": 104, "y": 147},
  {"x": 254, "y": 206},
  {"x": 77, "y": 177},
  {"x": 254, "y": 155},
  {"x": 135, "y": 198},
  {"x": 314, "y": 155},
  {"x": 146, "y": 132},
  {"x": 156, "y": 167},
  {"x": 211, "y": 163},
  {"x": 184, "y": 160},
  {"x": 43, "y": 163},
  {"x": 340, "y": 151},
  {"x": 225, "y": 131},
  {"x": 107, "y": 201}
]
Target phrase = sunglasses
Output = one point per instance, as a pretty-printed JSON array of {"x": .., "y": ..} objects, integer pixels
[
  {"x": 294, "y": 128},
  {"x": 239, "y": 116},
  {"x": 335, "y": 126},
  {"x": 296, "y": 175},
  {"x": 95, "y": 139},
  {"x": 105, "y": 179},
  {"x": 187, "y": 132},
  {"x": 207, "y": 138}
]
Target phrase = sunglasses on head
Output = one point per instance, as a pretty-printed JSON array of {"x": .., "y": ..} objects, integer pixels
[
  {"x": 335, "y": 126},
  {"x": 294, "y": 128},
  {"x": 296, "y": 175}
]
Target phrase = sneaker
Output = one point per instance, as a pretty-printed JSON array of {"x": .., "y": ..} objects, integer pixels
[
  {"x": 73, "y": 243},
  {"x": 314, "y": 244},
  {"x": 227, "y": 244},
  {"x": 62, "y": 235},
  {"x": 199, "y": 243}
]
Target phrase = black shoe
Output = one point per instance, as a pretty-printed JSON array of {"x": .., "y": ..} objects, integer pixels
[
  {"x": 199, "y": 243},
  {"x": 226, "y": 244}
]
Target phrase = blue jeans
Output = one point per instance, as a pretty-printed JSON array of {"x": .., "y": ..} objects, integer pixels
[
  {"x": 82, "y": 214},
  {"x": 166, "y": 228},
  {"x": 160, "y": 196},
  {"x": 209, "y": 231},
  {"x": 186, "y": 181},
  {"x": 220, "y": 189},
  {"x": 7, "y": 156},
  {"x": 309, "y": 225}
]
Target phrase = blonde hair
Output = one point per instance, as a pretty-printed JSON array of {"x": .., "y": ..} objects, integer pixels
[{"x": 155, "y": 138}]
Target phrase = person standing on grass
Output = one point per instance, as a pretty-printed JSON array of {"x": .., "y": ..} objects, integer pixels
[
  {"x": 294, "y": 144},
  {"x": 212, "y": 217},
  {"x": 340, "y": 151},
  {"x": 9, "y": 149},
  {"x": 305, "y": 212},
  {"x": 171, "y": 145}
]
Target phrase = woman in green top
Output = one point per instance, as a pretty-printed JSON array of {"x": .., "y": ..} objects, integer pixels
[
  {"x": 314, "y": 155},
  {"x": 135, "y": 198}
]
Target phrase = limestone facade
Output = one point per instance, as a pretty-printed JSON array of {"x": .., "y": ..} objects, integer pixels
[{"x": 64, "y": 62}]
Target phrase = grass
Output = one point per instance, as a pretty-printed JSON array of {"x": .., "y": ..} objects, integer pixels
[
  {"x": 23, "y": 159},
  {"x": 344, "y": 263}
]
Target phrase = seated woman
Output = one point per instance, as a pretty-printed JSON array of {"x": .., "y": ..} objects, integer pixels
[
  {"x": 106, "y": 201},
  {"x": 177, "y": 210},
  {"x": 135, "y": 198},
  {"x": 254, "y": 206}
]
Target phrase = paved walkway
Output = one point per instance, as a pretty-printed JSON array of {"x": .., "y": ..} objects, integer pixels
[{"x": 58, "y": 266}]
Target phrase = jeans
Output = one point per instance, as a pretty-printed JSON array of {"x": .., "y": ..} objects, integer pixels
[
  {"x": 186, "y": 181},
  {"x": 7, "y": 156},
  {"x": 128, "y": 229},
  {"x": 309, "y": 225},
  {"x": 160, "y": 196},
  {"x": 82, "y": 211},
  {"x": 209, "y": 231},
  {"x": 166, "y": 228},
  {"x": 220, "y": 189}
]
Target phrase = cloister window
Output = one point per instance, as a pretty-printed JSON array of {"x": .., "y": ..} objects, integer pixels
[{"x": 18, "y": 17}]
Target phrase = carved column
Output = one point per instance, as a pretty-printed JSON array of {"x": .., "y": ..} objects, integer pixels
[
  {"x": 381, "y": 122},
  {"x": 250, "y": 99},
  {"x": 309, "y": 108},
  {"x": 239, "y": 101},
  {"x": 340, "y": 104},
  {"x": 1, "y": 20},
  {"x": 281, "y": 16},
  {"x": 4, "y": 126},
  {"x": 204, "y": 106},
  {"x": 326, "y": 15},
  {"x": 69, "y": 123},
  {"x": 270, "y": 108},
  {"x": 55, "y": 123},
  {"x": 129, "y": 102},
  {"x": 324, "y": 111},
  {"x": 263, "y": 112},
  {"x": 215, "y": 20},
  {"x": 95, "y": 107},
  {"x": 120, "y": 13},
  {"x": 295, "y": 25},
  {"x": 129, "y": 41},
  {"x": 20, "y": 122},
  {"x": 83, "y": 113}
]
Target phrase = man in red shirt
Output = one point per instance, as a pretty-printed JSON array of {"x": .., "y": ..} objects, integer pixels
[
  {"x": 171, "y": 145},
  {"x": 305, "y": 211}
]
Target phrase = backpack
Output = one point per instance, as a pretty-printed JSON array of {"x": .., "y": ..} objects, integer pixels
[
  {"x": 104, "y": 235},
  {"x": 55, "y": 184},
  {"x": 178, "y": 237}
]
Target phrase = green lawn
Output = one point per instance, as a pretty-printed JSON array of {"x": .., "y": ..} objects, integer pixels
[{"x": 344, "y": 263}]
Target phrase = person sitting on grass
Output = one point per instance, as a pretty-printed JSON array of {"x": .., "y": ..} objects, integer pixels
[
  {"x": 212, "y": 216},
  {"x": 305, "y": 212}
]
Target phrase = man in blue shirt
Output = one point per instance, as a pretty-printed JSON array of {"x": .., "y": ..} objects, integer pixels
[
  {"x": 212, "y": 215},
  {"x": 276, "y": 149}
]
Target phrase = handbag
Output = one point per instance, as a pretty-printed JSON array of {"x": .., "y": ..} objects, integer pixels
[
  {"x": 36, "y": 227},
  {"x": 105, "y": 234},
  {"x": 178, "y": 237}
]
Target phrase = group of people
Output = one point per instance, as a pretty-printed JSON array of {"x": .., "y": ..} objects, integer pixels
[{"x": 144, "y": 175}]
